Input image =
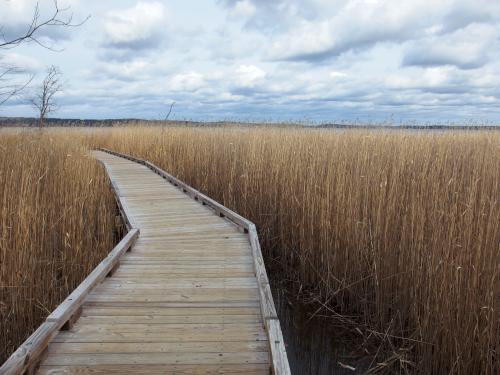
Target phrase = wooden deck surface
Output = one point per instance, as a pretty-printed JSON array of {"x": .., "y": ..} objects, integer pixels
[{"x": 184, "y": 300}]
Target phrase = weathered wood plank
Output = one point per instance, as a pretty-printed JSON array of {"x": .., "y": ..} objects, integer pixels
[
  {"x": 172, "y": 335},
  {"x": 160, "y": 347},
  {"x": 182, "y": 282},
  {"x": 145, "y": 327},
  {"x": 170, "y": 319},
  {"x": 178, "y": 369},
  {"x": 170, "y": 305},
  {"x": 158, "y": 290},
  {"x": 100, "y": 310},
  {"x": 158, "y": 298},
  {"x": 76, "y": 359},
  {"x": 183, "y": 272}
]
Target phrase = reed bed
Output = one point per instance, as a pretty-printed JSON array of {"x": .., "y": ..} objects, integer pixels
[
  {"x": 396, "y": 233},
  {"x": 56, "y": 224}
]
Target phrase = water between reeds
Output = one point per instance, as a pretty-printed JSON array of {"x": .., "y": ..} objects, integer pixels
[{"x": 314, "y": 345}]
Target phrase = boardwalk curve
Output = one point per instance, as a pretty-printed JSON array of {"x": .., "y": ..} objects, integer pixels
[{"x": 185, "y": 292}]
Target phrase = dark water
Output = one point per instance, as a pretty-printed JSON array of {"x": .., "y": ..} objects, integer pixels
[{"x": 315, "y": 346}]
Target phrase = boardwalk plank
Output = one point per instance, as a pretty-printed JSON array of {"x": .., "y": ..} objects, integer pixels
[
  {"x": 100, "y": 310},
  {"x": 160, "y": 347},
  {"x": 155, "y": 358},
  {"x": 169, "y": 319},
  {"x": 178, "y": 369}
]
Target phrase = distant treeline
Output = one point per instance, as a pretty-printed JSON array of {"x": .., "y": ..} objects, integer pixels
[
  {"x": 29, "y": 122},
  {"x": 61, "y": 122},
  {"x": 411, "y": 126}
]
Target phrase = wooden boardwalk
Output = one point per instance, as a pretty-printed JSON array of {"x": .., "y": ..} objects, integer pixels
[{"x": 190, "y": 297}]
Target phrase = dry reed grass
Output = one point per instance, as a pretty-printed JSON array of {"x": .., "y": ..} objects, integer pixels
[
  {"x": 398, "y": 229},
  {"x": 56, "y": 224}
]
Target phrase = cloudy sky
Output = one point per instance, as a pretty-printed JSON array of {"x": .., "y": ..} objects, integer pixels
[{"x": 317, "y": 60}]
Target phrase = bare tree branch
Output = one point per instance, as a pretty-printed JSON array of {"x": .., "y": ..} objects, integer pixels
[
  {"x": 169, "y": 111},
  {"x": 8, "y": 91},
  {"x": 57, "y": 19},
  {"x": 43, "y": 100},
  {"x": 60, "y": 17}
]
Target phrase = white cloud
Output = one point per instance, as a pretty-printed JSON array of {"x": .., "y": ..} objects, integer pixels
[
  {"x": 428, "y": 78},
  {"x": 337, "y": 75},
  {"x": 243, "y": 8},
  {"x": 465, "y": 48},
  {"x": 130, "y": 70},
  {"x": 443, "y": 84},
  {"x": 190, "y": 81},
  {"x": 20, "y": 9},
  {"x": 357, "y": 24},
  {"x": 249, "y": 75},
  {"x": 18, "y": 61},
  {"x": 138, "y": 27}
]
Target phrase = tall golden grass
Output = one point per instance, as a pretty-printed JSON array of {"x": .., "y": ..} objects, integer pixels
[
  {"x": 56, "y": 224},
  {"x": 396, "y": 232}
]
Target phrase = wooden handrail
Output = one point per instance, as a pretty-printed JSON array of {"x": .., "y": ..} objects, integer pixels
[
  {"x": 279, "y": 363},
  {"x": 29, "y": 354}
]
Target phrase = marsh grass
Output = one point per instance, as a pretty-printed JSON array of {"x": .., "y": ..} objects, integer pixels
[
  {"x": 395, "y": 233},
  {"x": 397, "y": 230},
  {"x": 56, "y": 224}
]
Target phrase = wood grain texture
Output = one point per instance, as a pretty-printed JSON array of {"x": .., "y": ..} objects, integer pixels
[{"x": 178, "y": 369}]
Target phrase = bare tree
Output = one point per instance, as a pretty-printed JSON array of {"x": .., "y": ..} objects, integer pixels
[
  {"x": 43, "y": 101},
  {"x": 60, "y": 17}
]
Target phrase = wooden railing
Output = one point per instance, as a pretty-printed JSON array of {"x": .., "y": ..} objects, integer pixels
[
  {"x": 272, "y": 324},
  {"x": 28, "y": 356}
]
